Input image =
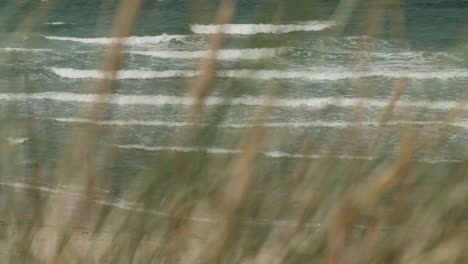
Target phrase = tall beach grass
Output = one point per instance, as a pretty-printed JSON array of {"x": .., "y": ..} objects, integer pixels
[{"x": 196, "y": 207}]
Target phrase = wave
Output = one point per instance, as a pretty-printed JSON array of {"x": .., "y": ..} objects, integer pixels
[
  {"x": 122, "y": 122},
  {"x": 10, "y": 49},
  {"x": 232, "y": 54},
  {"x": 268, "y": 154},
  {"x": 271, "y": 154},
  {"x": 130, "y": 41},
  {"x": 161, "y": 100},
  {"x": 331, "y": 75},
  {"x": 337, "y": 75},
  {"x": 39, "y": 188},
  {"x": 418, "y": 57},
  {"x": 126, "y": 74},
  {"x": 17, "y": 141},
  {"x": 435, "y": 161},
  {"x": 252, "y": 29},
  {"x": 57, "y": 23},
  {"x": 293, "y": 125}
]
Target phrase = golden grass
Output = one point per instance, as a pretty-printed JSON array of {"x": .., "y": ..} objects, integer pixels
[{"x": 225, "y": 209}]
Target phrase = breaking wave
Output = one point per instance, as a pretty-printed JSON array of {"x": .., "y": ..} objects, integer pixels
[
  {"x": 10, "y": 49},
  {"x": 160, "y": 100},
  {"x": 252, "y": 29},
  {"x": 125, "y": 74},
  {"x": 55, "y": 23},
  {"x": 263, "y": 74},
  {"x": 17, "y": 141},
  {"x": 268, "y": 154},
  {"x": 233, "y": 54},
  {"x": 292, "y": 125},
  {"x": 131, "y": 41},
  {"x": 271, "y": 154}
]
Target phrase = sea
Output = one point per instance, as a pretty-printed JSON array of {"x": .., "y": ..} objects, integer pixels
[{"x": 321, "y": 67}]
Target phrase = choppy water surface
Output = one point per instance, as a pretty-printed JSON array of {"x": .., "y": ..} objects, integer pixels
[{"x": 317, "y": 72}]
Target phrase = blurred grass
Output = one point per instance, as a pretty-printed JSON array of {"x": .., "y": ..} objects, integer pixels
[{"x": 193, "y": 207}]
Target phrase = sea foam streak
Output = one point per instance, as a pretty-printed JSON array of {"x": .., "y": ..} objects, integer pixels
[
  {"x": 11, "y": 49},
  {"x": 57, "y": 23},
  {"x": 290, "y": 125},
  {"x": 228, "y": 54},
  {"x": 131, "y": 41},
  {"x": 324, "y": 75},
  {"x": 126, "y": 74},
  {"x": 271, "y": 154},
  {"x": 122, "y": 122},
  {"x": 16, "y": 141},
  {"x": 161, "y": 100},
  {"x": 252, "y": 29}
]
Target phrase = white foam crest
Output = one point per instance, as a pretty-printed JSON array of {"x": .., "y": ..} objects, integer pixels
[
  {"x": 435, "y": 161},
  {"x": 463, "y": 125},
  {"x": 252, "y": 29},
  {"x": 181, "y": 149},
  {"x": 11, "y": 49},
  {"x": 121, "y": 75},
  {"x": 441, "y": 75},
  {"x": 39, "y": 188},
  {"x": 341, "y": 75},
  {"x": 130, "y": 41},
  {"x": 161, "y": 100},
  {"x": 228, "y": 54},
  {"x": 293, "y": 125},
  {"x": 57, "y": 23},
  {"x": 262, "y": 74},
  {"x": 271, "y": 154},
  {"x": 122, "y": 122},
  {"x": 17, "y": 141},
  {"x": 413, "y": 56}
]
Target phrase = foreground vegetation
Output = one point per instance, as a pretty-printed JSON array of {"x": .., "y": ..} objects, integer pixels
[{"x": 194, "y": 207}]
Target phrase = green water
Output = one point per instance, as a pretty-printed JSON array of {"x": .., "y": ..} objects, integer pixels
[{"x": 305, "y": 58}]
